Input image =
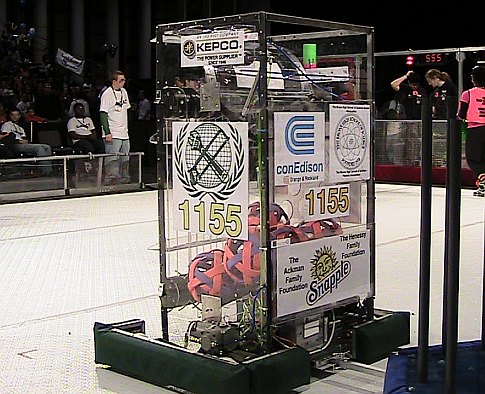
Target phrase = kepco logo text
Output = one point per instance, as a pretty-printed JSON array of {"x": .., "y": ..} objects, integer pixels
[{"x": 216, "y": 46}]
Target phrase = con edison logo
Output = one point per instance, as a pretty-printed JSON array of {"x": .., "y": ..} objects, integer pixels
[
  {"x": 327, "y": 273},
  {"x": 300, "y": 135}
]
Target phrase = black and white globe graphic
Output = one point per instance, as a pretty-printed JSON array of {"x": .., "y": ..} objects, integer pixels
[
  {"x": 350, "y": 141},
  {"x": 208, "y": 156}
]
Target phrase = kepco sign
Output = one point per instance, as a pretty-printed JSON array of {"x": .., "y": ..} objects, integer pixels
[{"x": 212, "y": 49}]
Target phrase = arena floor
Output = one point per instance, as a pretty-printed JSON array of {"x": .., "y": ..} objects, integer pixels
[{"x": 68, "y": 263}]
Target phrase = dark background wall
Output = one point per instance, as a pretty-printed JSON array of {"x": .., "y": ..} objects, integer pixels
[{"x": 398, "y": 26}]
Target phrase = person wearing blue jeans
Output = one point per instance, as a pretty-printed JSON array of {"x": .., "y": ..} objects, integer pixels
[
  {"x": 113, "y": 113},
  {"x": 22, "y": 145}
]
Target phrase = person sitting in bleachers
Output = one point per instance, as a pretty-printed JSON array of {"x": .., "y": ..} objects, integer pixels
[
  {"x": 22, "y": 145},
  {"x": 48, "y": 104},
  {"x": 24, "y": 104},
  {"x": 6, "y": 141},
  {"x": 3, "y": 114},
  {"x": 83, "y": 133},
  {"x": 7, "y": 170},
  {"x": 31, "y": 116},
  {"x": 77, "y": 96}
]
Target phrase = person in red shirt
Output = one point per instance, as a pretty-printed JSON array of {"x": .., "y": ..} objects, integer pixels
[
  {"x": 3, "y": 114},
  {"x": 30, "y": 116}
]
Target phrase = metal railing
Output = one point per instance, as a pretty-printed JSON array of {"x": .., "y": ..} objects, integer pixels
[
  {"x": 398, "y": 142},
  {"x": 27, "y": 178}
]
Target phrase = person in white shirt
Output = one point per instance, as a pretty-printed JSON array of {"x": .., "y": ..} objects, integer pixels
[
  {"x": 21, "y": 144},
  {"x": 24, "y": 103},
  {"x": 143, "y": 106},
  {"x": 83, "y": 133},
  {"x": 113, "y": 113},
  {"x": 78, "y": 96}
]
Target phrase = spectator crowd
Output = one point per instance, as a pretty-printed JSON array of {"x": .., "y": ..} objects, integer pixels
[
  {"x": 46, "y": 93},
  {"x": 39, "y": 93}
]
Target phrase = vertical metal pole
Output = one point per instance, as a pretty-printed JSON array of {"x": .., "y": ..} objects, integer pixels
[
  {"x": 140, "y": 166},
  {"x": 444, "y": 319},
  {"x": 64, "y": 173},
  {"x": 207, "y": 8},
  {"x": 144, "y": 35},
  {"x": 483, "y": 293},
  {"x": 425, "y": 238},
  {"x": 41, "y": 23},
  {"x": 112, "y": 33},
  {"x": 453, "y": 214},
  {"x": 460, "y": 56},
  {"x": 371, "y": 196},
  {"x": 78, "y": 35},
  {"x": 264, "y": 177},
  {"x": 161, "y": 178}
]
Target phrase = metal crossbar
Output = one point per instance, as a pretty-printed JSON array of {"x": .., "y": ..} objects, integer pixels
[{"x": 19, "y": 185}]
